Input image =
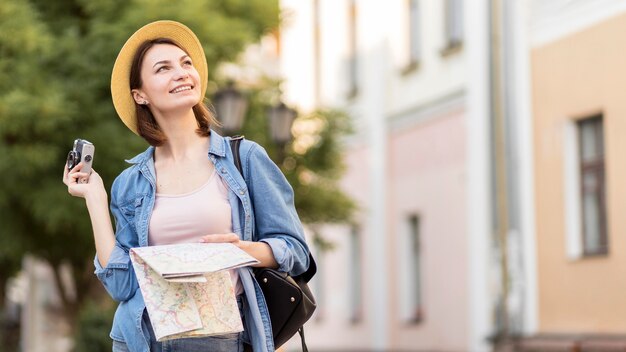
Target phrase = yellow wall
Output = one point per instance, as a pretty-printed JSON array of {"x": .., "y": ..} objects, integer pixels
[{"x": 575, "y": 77}]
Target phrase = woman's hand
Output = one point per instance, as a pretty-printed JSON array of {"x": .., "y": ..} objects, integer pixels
[
  {"x": 259, "y": 250},
  {"x": 97, "y": 204},
  {"x": 93, "y": 187},
  {"x": 223, "y": 238}
]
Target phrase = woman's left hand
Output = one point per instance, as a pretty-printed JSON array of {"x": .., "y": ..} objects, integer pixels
[
  {"x": 222, "y": 238},
  {"x": 259, "y": 250}
]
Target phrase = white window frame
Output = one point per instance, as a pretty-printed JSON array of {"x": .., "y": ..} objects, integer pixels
[
  {"x": 571, "y": 191},
  {"x": 353, "y": 59},
  {"x": 575, "y": 235},
  {"x": 454, "y": 31},
  {"x": 408, "y": 301},
  {"x": 414, "y": 32},
  {"x": 356, "y": 275}
]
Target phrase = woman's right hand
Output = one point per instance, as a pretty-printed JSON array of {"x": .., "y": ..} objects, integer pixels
[
  {"x": 97, "y": 204},
  {"x": 93, "y": 187}
]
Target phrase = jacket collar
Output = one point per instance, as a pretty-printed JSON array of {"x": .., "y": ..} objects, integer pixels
[
  {"x": 142, "y": 157},
  {"x": 217, "y": 147}
]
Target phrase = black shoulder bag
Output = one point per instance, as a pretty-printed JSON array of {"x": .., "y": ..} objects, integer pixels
[{"x": 289, "y": 299}]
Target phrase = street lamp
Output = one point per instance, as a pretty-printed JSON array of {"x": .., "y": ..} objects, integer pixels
[
  {"x": 281, "y": 119},
  {"x": 230, "y": 106}
]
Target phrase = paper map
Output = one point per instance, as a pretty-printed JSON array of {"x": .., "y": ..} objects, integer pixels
[{"x": 187, "y": 290}]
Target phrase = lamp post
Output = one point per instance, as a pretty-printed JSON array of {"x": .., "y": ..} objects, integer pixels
[
  {"x": 230, "y": 106},
  {"x": 281, "y": 119}
]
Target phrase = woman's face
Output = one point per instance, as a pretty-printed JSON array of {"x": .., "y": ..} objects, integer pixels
[{"x": 170, "y": 82}]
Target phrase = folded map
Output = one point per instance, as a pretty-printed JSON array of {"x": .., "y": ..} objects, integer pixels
[{"x": 187, "y": 288}]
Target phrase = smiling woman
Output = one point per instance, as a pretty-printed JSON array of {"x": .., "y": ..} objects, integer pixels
[
  {"x": 185, "y": 188},
  {"x": 160, "y": 69}
]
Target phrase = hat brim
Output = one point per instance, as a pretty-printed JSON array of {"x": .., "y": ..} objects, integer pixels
[{"x": 120, "y": 77}]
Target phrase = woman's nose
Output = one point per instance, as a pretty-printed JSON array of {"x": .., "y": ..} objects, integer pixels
[{"x": 181, "y": 73}]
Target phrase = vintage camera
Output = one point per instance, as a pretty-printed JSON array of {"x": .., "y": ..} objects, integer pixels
[{"x": 83, "y": 150}]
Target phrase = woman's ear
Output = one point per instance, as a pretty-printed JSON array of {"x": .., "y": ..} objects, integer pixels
[{"x": 139, "y": 98}]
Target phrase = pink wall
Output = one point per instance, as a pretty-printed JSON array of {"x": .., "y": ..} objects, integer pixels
[
  {"x": 427, "y": 176},
  {"x": 331, "y": 327}
]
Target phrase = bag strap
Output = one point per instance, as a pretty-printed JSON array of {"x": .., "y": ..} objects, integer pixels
[
  {"x": 301, "y": 332},
  {"x": 235, "y": 142}
]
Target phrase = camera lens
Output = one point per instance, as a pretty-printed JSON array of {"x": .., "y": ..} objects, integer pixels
[
  {"x": 73, "y": 158},
  {"x": 88, "y": 158}
]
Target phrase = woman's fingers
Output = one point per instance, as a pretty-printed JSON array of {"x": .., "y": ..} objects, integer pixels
[
  {"x": 94, "y": 175},
  {"x": 78, "y": 167},
  {"x": 80, "y": 175},
  {"x": 220, "y": 238},
  {"x": 67, "y": 173},
  {"x": 82, "y": 184}
]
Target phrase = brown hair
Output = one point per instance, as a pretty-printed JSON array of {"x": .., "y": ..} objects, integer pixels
[{"x": 147, "y": 127}]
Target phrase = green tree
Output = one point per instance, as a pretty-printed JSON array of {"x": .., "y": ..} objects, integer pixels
[
  {"x": 56, "y": 59},
  {"x": 55, "y": 64},
  {"x": 31, "y": 106}
]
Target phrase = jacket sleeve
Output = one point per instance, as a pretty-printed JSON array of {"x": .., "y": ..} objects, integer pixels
[
  {"x": 118, "y": 276},
  {"x": 276, "y": 220}
]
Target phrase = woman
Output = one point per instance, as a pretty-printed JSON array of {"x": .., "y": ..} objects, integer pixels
[{"x": 184, "y": 188}]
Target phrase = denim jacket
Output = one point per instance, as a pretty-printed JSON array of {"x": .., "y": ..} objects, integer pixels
[{"x": 262, "y": 210}]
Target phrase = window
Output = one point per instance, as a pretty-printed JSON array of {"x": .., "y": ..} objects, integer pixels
[
  {"x": 414, "y": 37},
  {"x": 317, "y": 51},
  {"x": 453, "y": 26},
  {"x": 319, "y": 289},
  {"x": 356, "y": 287},
  {"x": 415, "y": 288},
  {"x": 592, "y": 186},
  {"x": 352, "y": 53}
]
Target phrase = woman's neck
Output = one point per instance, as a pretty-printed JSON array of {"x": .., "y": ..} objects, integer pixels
[{"x": 182, "y": 140}]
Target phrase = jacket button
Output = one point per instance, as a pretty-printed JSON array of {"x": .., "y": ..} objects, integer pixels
[
  {"x": 242, "y": 192},
  {"x": 293, "y": 299},
  {"x": 223, "y": 170}
]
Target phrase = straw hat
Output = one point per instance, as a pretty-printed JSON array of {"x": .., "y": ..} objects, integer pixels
[{"x": 120, "y": 78}]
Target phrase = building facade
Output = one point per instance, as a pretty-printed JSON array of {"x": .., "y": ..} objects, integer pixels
[
  {"x": 486, "y": 164},
  {"x": 578, "y": 108},
  {"x": 410, "y": 274}
]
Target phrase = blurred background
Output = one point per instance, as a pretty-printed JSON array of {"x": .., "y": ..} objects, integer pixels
[{"x": 456, "y": 162}]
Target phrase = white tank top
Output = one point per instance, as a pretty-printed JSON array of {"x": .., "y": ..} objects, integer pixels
[{"x": 185, "y": 218}]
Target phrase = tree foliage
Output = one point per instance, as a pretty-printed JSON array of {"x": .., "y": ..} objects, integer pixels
[
  {"x": 56, "y": 59},
  {"x": 312, "y": 162}
]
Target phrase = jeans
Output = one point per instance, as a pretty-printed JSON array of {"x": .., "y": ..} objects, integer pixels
[{"x": 222, "y": 343}]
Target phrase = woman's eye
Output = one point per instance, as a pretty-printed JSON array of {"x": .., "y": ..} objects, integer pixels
[
  {"x": 162, "y": 68},
  {"x": 188, "y": 62}
]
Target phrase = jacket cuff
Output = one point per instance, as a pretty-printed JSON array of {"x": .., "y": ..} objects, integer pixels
[
  {"x": 281, "y": 252},
  {"x": 117, "y": 260}
]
